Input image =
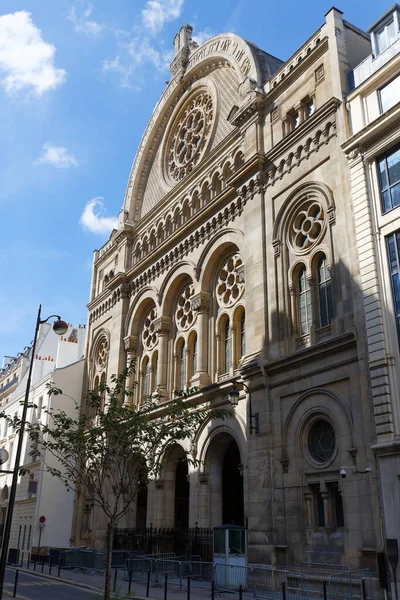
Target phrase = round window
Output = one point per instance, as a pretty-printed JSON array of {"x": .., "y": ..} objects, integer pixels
[{"x": 321, "y": 441}]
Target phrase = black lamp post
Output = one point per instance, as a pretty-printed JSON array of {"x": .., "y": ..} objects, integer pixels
[
  {"x": 59, "y": 327},
  {"x": 234, "y": 398}
]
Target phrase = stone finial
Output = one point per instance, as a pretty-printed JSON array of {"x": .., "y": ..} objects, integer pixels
[
  {"x": 182, "y": 45},
  {"x": 182, "y": 38}
]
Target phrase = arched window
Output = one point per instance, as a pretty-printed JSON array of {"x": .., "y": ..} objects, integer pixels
[
  {"x": 182, "y": 367},
  {"x": 325, "y": 300},
  {"x": 146, "y": 377},
  {"x": 227, "y": 347},
  {"x": 243, "y": 334},
  {"x": 155, "y": 372},
  {"x": 305, "y": 308},
  {"x": 194, "y": 356}
]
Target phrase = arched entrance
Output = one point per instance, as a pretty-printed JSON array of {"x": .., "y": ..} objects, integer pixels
[
  {"x": 175, "y": 493},
  {"x": 232, "y": 487},
  {"x": 181, "y": 519},
  {"x": 225, "y": 482}
]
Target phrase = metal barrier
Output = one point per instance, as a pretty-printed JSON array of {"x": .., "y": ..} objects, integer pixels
[
  {"x": 139, "y": 567},
  {"x": 229, "y": 577},
  {"x": 310, "y": 568},
  {"x": 200, "y": 573},
  {"x": 349, "y": 585},
  {"x": 72, "y": 559},
  {"x": 267, "y": 584}
]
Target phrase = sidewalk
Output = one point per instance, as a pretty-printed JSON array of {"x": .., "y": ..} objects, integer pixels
[{"x": 96, "y": 582}]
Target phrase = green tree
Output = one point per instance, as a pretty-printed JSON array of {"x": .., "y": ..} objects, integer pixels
[{"x": 108, "y": 452}]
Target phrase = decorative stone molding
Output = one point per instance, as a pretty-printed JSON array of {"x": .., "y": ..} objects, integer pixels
[
  {"x": 285, "y": 465},
  {"x": 162, "y": 325},
  {"x": 200, "y": 302},
  {"x": 130, "y": 344}
]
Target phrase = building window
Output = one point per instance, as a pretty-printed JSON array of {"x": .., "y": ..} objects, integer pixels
[
  {"x": 319, "y": 508},
  {"x": 389, "y": 95},
  {"x": 337, "y": 505},
  {"x": 243, "y": 334},
  {"x": 385, "y": 36},
  {"x": 389, "y": 177},
  {"x": 321, "y": 441},
  {"x": 227, "y": 347},
  {"x": 194, "y": 356},
  {"x": 155, "y": 372},
  {"x": 182, "y": 367},
  {"x": 324, "y": 293},
  {"x": 305, "y": 307},
  {"x": 146, "y": 377},
  {"x": 39, "y": 407},
  {"x": 393, "y": 246}
]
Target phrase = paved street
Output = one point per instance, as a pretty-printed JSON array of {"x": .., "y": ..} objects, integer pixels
[{"x": 40, "y": 588}]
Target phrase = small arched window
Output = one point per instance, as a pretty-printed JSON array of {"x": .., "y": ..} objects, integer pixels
[
  {"x": 243, "y": 334},
  {"x": 325, "y": 300},
  {"x": 227, "y": 346},
  {"x": 194, "y": 356},
  {"x": 182, "y": 367},
  {"x": 155, "y": 372},
  {"x": 305, "y": 307},
  {"x": 146, "y": 377}
]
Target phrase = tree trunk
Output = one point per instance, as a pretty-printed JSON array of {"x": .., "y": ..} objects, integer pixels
[{"x": 110, "y": 536}]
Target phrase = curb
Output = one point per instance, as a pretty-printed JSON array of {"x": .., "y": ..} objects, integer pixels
[{"x": 69, "y": 582}]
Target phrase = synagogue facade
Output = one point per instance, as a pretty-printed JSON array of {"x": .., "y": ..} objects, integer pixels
[{"x": 234, "y": 262}]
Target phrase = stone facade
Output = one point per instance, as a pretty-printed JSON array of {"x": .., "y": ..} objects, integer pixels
[
  {"x": 235, "y": 260},
  {"x": 372, "y": 151}
]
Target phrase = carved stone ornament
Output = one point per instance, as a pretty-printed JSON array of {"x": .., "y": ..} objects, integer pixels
[
  {"x": 189, "y": 136},
  {"x": 102, "y": 354},
  {"x": 230, "y": 284},
  {"x": 149, "y": 334},
  {"x": 307, "y": 227},
  {"x": 200, "y": 302},
  {"x": 161, "y": 325},
  {"x": 130, "y": 344},
  {"x": 185, "y": 316}
]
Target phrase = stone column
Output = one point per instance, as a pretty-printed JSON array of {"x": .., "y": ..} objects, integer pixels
[
  {"x": 130, "y": 343},
  {"x": 309, "y": 509},
  {"x": 201, "y": 303},
  {"x": 161, "y": 327}
]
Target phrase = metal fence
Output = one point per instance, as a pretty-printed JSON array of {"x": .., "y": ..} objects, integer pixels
[
  {"x": 150, "y": 541},
  {"x": 354, "y": 585},
  {"x": 269, "y": 584}
]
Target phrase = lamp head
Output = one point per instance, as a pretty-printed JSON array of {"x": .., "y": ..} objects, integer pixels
[
  {"x": 233, "y": 396},
  {"x": 60, "y": 327}
]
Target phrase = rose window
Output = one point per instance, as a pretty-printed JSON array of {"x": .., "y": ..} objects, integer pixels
[
  {"x": 184, "y": 315},
  {"x": 321, "y": 441},
  {"x": 190, "y": 136},
  {"x": 149, "y": 335},
  {"x": 307, "y": 226},
  {"x": 230, "y": 283},
  {"x": 102, "y": 354}
]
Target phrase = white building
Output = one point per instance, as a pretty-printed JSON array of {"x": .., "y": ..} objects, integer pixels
[
  {"x": 59, "y": 362},
  {"x": 374, "y": 159}
]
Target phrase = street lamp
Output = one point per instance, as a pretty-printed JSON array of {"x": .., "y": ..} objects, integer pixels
[
  {"x": 59, "y": 327},
  {"x": 233, "y": 396}
]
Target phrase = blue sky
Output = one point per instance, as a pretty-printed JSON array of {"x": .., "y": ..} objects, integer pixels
[{"x": 78, "y": 82}]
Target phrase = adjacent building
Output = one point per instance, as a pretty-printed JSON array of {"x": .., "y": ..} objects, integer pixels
[
  {"x": 373, "y": 151},
  {"x": 235, "y": 260},
  {"x": 58, "y": 362}
]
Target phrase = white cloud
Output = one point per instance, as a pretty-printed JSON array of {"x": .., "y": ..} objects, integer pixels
[
  {"x": 26, "y": 60},
  {"x": 95, "y": 222},
  {"x": 202, "y": 36},
  {"x": 57, "y": 156},
  {"x": 136, "y": 53},
  {"x": 158, "y": 12},
  {"x": 83, "y": 23}
]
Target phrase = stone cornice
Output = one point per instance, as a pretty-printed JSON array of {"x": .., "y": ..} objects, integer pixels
[{"x": 334, "y": 345}]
